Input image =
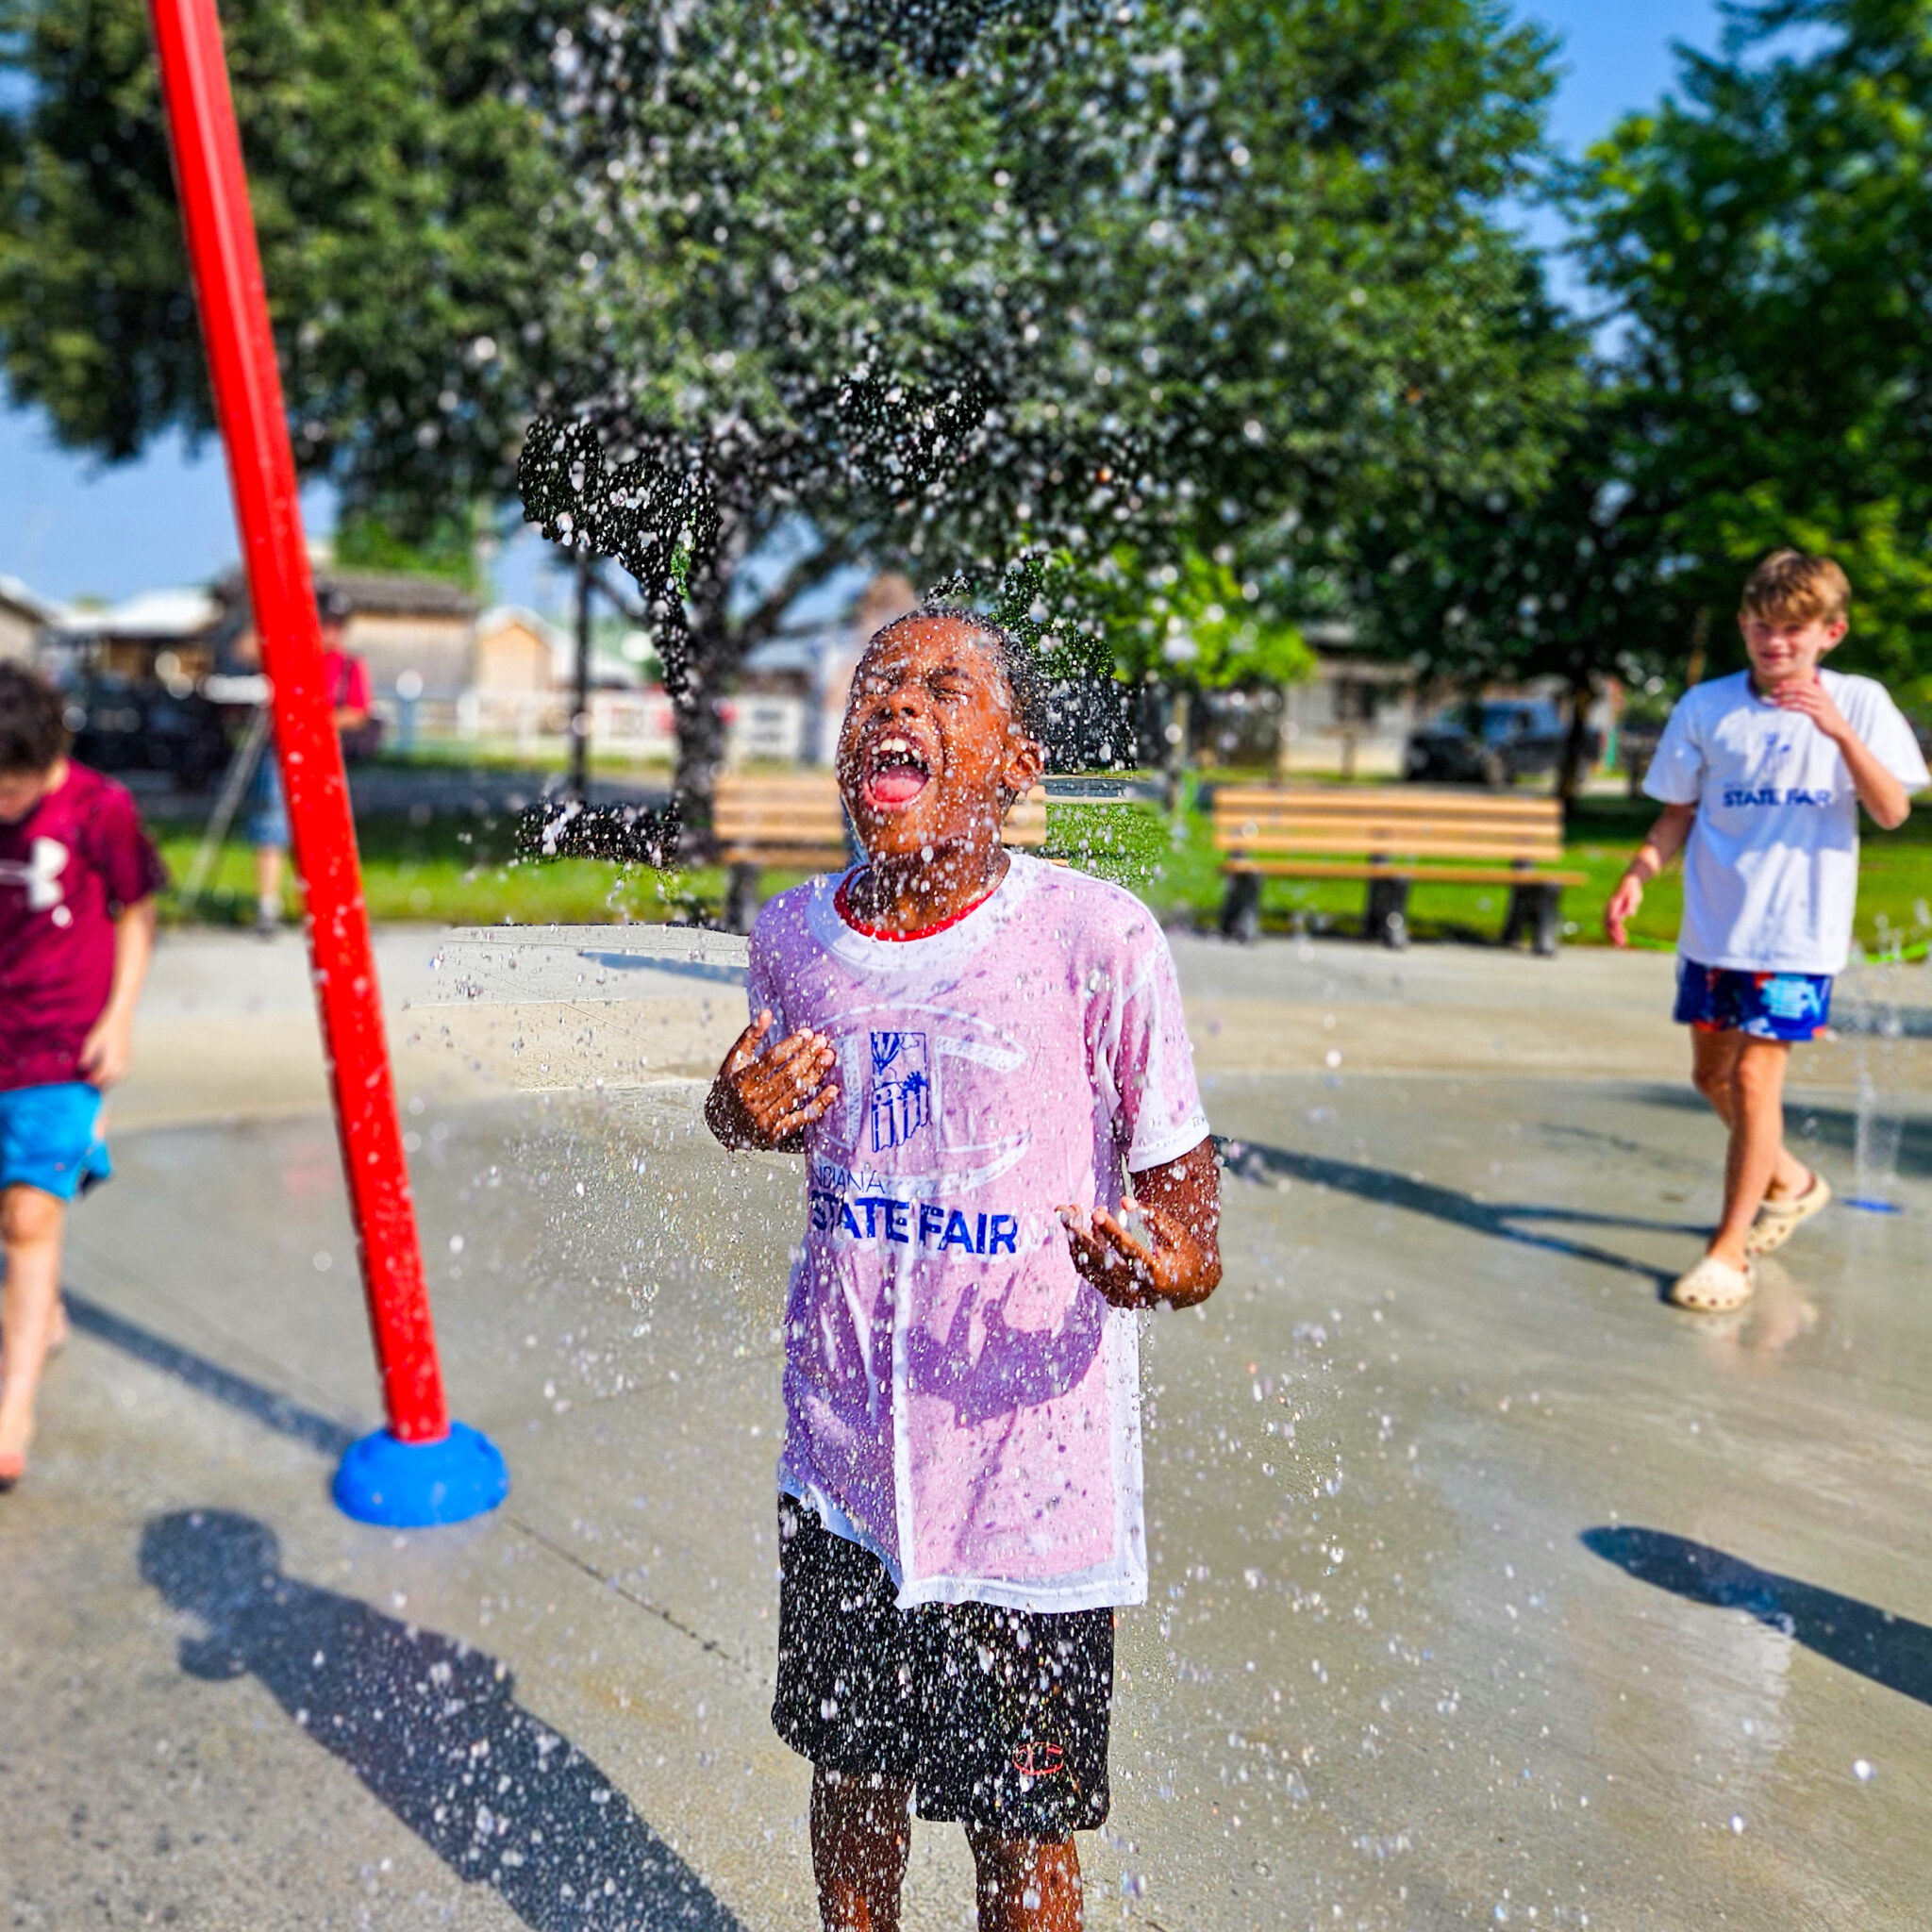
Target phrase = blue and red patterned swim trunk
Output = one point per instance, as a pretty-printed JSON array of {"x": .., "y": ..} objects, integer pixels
[{"x": 1767, "y": 1006}]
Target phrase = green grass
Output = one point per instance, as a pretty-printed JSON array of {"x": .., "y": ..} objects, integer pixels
[
  {"x": 1180, "y": 873},
  {"x": 459, "y": 868},
  {"x": 456, "y": 869}
]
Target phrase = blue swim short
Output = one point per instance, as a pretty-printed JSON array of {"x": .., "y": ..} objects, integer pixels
[
  {"x": 50, "y": 1139},
  {"x": 266, "y": 810},
  {"x": 1767, "y": 1006}
]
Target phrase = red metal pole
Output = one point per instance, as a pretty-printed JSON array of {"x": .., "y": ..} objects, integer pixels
[{"x": 261, "y": 471}]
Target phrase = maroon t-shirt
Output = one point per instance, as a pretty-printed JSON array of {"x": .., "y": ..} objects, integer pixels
[{"x": 66, "y": 869}]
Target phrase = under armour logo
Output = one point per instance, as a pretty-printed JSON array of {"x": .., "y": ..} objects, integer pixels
[{"x": 40, "y": 874}]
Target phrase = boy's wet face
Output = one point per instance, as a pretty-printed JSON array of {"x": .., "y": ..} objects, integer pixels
[
  {"x": 930, "y": 751},
  {"x": 1785, "y": 647}
]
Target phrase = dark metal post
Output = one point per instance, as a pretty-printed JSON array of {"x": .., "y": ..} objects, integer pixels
[{"x": 580, "y": 690}]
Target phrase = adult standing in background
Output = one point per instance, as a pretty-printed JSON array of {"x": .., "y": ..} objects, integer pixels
[{"x": 267, "y": 827}]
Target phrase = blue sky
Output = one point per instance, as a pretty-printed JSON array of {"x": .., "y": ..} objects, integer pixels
[{"x": 69, "y": 527}]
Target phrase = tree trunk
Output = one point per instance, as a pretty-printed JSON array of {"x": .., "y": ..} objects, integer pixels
[
  {"x": 1700, "y": 639},
  {"x": 580, "y": 687},
  {"x": 1571, "y": 773},
  {"x": 1179, "y": 724},
  {"x": 708, "y": 661}
]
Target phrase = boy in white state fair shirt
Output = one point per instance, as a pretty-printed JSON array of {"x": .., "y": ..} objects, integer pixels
[
  {"x": 983, "y": 1059},
  {"x": 1761, "y": 776}
]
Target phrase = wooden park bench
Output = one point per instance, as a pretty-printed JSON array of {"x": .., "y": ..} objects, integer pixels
[
  {"x": 795, "y": 821},
  {"x": 1392, "y": 836}
]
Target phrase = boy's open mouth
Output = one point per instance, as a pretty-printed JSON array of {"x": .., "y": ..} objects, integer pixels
[{"x": 896, "y": 772}]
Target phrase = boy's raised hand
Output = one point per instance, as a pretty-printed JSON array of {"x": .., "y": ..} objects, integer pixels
[
  {"x": 1808, "y": 697},
  {"x": 762, "y": 1099},
  {"x": 1178, "y": 1259},
  {"x": 1130, "y": 1272}
]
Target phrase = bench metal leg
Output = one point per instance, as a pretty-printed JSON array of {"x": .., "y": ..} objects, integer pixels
[
  {"x": 1516, "y": 922},
  {"x": 1535, "y": 912},
  {"x": 1388, "y": 914},
  {"x": 741, "y": 898},
  {"x": 1240, "y": 911}
]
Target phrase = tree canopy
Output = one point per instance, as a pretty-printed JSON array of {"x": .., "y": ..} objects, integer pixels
[
  {"x": 1766, "y": 244},
  {"x": 939, "y": 286},
  {"x": 1200, "y": 282},
  {"x": 400, "y": 174}
]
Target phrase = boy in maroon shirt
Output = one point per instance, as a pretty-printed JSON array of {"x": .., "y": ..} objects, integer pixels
[{"x": 77, "y": 879}]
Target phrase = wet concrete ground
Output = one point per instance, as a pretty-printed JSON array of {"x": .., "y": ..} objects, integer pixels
[{"x": 1486, "y": 1589}]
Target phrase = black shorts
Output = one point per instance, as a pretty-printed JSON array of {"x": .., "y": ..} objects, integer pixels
[{"x": 998, "y": 1717}]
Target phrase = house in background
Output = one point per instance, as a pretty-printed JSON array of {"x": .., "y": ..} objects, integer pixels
[
  {"x": 401, "y": 626},
  {"x": 24, "y": 616},
  {"x": 517, "y": 650},
  {"x": 166, "y": 636}
]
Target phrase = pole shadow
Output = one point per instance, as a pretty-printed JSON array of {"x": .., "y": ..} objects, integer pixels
[
  {"x": 433, "y": 1730},
  {"x": 279, "y": 1412},
  {"x": 1891, "y": 1650},
  {"x": 1501, "y": 1221}
]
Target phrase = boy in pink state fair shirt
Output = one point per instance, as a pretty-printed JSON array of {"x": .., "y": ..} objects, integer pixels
[
  {"x": 976, "y": 1053},
  {"x": 77, "y": 879}
]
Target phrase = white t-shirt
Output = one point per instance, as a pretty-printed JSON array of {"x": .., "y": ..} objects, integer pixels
[
  {"x": 1771, "y": 873},
  {"x": 958, "y": 1399}
]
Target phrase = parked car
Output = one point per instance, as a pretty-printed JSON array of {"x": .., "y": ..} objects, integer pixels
[
  {"x": 1493, "y": 741},
  {"x": 121, "y": 726}
]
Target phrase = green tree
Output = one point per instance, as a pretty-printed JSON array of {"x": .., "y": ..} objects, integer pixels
[
  {"x": 1199, "y": 281},
  {"x": 1571, "y": 579},
  {"x": 1766, "y": 242},
  {"x": 936, "y": 286},
  {"x": 401, "y": 183}
]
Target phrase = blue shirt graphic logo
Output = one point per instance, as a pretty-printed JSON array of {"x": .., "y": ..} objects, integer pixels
[{"x": 901, "y": 1089}]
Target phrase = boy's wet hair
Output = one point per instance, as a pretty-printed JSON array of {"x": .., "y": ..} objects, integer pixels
[
  {"x": 33, "y": 721},
  {"x": 1025, "y": 685},
  {"x": 1797, "y": 587}
]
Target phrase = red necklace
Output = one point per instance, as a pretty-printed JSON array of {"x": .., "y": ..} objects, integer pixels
[{"x": 842, "y": 901}]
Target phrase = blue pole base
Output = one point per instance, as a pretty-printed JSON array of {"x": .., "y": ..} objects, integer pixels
[{"x": 416, "y": 1485}]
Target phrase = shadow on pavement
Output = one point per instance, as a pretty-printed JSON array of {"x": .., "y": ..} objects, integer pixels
[
  {"x": 1252, "y": 1161},
  {"x": 1836, "y": 1127},
  {"x": 1893, "y": 1651},
  {"x": 276, "y": 1412},
  {"x": 432, "y": 1729}
]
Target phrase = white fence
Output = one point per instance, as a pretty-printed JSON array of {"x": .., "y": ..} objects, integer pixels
[{"x": 623, "y": 724}]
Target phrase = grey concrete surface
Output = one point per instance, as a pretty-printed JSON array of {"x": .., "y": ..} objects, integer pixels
[{"x": 1486, "y": 1589}]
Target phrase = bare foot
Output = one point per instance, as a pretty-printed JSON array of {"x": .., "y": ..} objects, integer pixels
[{"x": 16, "y": 1432}]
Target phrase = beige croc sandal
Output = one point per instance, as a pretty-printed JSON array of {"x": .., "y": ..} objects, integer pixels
[
  {"x": 1712, "y": 1288},
  {"x": 1778, "y": 1221}
]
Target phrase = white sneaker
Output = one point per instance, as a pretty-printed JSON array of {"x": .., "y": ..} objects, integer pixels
[
  {"x": 1713, "y": 1287},
  {"x": 1778, "y": 1221}
]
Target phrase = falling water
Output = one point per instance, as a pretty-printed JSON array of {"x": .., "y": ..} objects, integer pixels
[{"x": 1878, "y": 992}]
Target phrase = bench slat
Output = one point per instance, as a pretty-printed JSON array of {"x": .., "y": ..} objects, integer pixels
[
  {"x": 1418, "y": 875},
  {"x": 1417, "y": 800},
  {"x": 1336, "y": 821},
  {"x": 1392, "y": 845},
  {"x": 797, "y": 819},
  {"x": 787, "y": 858},
  {"x": 1285, "y": 812}
]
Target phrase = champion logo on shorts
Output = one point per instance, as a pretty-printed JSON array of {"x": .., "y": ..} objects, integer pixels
[{"x": 1039, "y": 1761}]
